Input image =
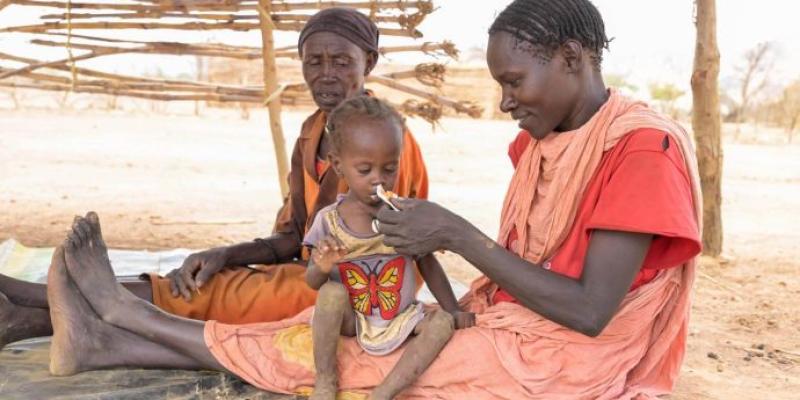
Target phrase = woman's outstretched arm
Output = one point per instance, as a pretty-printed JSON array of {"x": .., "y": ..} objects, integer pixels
[{"x": 585, "y": 305}]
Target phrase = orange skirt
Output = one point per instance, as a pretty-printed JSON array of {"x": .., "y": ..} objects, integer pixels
[
  {"x": 512, "y": 352},
  {"x": 242, "y": 295}
]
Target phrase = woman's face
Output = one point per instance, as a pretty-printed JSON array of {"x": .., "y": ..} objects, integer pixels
[
  {"x": 539, "y": 94},
  {"x": 334, "y": 68}
]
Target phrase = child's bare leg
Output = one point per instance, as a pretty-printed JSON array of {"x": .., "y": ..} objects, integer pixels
[
  {"x": 332, "y": 316},
  {"x": 433, "y": 333}
]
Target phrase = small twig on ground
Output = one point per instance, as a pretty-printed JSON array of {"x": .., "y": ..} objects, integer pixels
[
  {"x": 736, "y": 293},
  {"x": 765, "y": 349}
]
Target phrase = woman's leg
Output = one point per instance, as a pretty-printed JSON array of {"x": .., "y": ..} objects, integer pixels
[
  {"x": 333, "y": 316},
  {"x": 433, "y": 333},
  {"x": 18, "y": 322},
  {"x": 88, "y": 265},
  {"x": 82, "y": 341},
  {"x": 23, "y": 308},
  {"x": 24, "y": 293},
  {"x": 29, "y": 294}
]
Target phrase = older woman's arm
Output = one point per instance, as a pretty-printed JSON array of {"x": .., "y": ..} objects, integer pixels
[{"x": 585, "y": 305}]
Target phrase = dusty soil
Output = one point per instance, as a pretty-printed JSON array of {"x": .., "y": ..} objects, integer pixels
[{"x": 182, "y": 181}]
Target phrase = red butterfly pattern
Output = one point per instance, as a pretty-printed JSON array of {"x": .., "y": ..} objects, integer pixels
[{"x": 378, "y": 289}]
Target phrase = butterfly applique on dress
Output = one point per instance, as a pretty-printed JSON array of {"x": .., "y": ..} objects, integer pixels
[{"x": 379, "y": 288}]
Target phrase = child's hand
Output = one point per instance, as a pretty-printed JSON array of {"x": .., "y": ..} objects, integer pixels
[
  {"x": 327, "y": 253},
  {"x": 464, "y": 319}
]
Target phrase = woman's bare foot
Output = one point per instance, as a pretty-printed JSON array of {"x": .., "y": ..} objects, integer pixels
[
  {"x": 79, "y": 336},
  {"x": 88, "y": 265},
  {"x": 83, "y": 342},
  {"x": 19, "y": 323}
]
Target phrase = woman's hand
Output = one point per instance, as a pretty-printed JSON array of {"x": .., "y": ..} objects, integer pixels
[
  {"x": 196, "y": 270},
  {"x": 420, "y": 227}
]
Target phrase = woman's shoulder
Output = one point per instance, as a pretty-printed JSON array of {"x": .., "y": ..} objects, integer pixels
[
  {"x": 641, "y": 139},
  {"x": 649, "y": 144},
  {"x": 647, "y": 139}
]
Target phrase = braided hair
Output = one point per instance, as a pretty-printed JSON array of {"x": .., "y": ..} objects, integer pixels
[
  {"x": 541, "y": 26},
  {"x": 363, "y": 108}
]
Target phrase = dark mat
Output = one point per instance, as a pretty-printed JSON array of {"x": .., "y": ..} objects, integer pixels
[{"x": 24, "y": 375}]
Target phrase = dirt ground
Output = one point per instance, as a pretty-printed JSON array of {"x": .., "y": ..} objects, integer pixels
[{"x": 162, "y": 181}]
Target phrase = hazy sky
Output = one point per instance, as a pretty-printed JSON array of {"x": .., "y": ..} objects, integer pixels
[{"x": 653, "y": 39}]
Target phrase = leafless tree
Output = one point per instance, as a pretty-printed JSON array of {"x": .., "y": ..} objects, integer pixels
[
  {"x": 707, "y": 124},
  {"x": 753, "y": 78},
  {"x": 790, "y": 108}
]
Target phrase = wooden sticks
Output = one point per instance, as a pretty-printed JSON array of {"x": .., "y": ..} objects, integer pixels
[{"x": 75, "y": 18}]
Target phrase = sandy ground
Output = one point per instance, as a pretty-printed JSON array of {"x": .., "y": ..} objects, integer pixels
[{"x": 181, "y": 181}]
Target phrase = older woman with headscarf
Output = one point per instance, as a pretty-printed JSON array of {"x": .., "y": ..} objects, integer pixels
[
  {"x": 585, "y": 294},
  {"x": 339, "y": 49}
]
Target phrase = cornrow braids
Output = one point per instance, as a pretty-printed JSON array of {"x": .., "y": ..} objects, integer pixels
[
  {"x": 359, "y": 107},
  {"x": 541, "y": 26}
]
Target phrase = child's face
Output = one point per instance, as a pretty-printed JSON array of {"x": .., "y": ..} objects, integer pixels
[{"x": 369, "y": 157}]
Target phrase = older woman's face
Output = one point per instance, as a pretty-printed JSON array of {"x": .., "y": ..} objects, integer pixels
[
  {"x": 334, "y": 68},
  {"x": 538, "y": 94}
]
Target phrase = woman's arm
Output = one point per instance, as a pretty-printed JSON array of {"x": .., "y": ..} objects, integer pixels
[
  {"x": 198, "y": 268},
  {"x": 585, "y": 305},
  {"x": 277, "y": 248}
]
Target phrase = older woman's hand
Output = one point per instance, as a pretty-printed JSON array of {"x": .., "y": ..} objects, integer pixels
[{"x": 419, "y": 227}]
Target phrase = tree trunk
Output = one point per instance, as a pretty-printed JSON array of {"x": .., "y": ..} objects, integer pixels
[
  {"x": 270, "y": 87},
  {"x": 706, "y": 123}
]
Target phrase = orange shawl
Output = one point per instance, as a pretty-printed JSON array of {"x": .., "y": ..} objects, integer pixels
[{"x": 572, "y": 164}]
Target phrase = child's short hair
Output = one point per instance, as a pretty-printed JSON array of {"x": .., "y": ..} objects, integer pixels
[{"x": 361, "y": 107}]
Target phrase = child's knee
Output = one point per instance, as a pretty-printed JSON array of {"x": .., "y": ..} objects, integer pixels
[
  {"x": 441, "y": 323},
  {"x": 332, "y": 294}
]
